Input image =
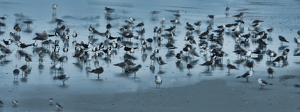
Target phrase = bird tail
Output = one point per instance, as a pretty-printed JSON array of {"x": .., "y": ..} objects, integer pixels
[
  {"x": 238, "y": 77},
  {"x": 270, "y": 84},
  {"x": 297, "y": 85}
]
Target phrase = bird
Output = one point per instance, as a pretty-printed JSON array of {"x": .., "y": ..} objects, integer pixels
[
  {"x": 230, "y": 66},
  {"x": 282, "y": 39},
  {"x": 160, "y": 62},
  {"x": 1, "y": 103},
  {"x": 156, "y": 50},
  {"x": 134, "y": 69},
  {"x": 15, "y": 102},
  {"x": 109, "y": 10},
  {"x": 50, "y": 101},
  {"x": 297, "y": 40},
  {"x": 54, "y": 7},
  {"x": 28, "y": 59},
  {"x": 128, "y": 48},
  {"x": 63, "y": 78},
  {"x": 4, "y": 17},
  {"x": 189, "y": 66},
  {"x": 278, "y": 59},
  {"x": 179, "y": 55},
  {"x": 58, "y": 106},
  {"x": 285, "y": 52},
  {"x": 23, "y": 45},
  {"x": 246, "y": 75},
  {"x": 65, "y": 49},
  {"x": 16, "y": 72},
  {"x": 263, "y": 83},
  {"x": 35, "y": 44},
  {"x": 42, "y": 36},
  {"x": 158, "y": 81},
  {"x": 270, "y": 71},
  {"x": 211, "y": 16},
  {"x": 7, "y": 42},
  {"x": 97, "y": 71},
  {"x": 74, "y": 35}
]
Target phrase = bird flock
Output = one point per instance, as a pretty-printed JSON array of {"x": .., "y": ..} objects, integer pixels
[{"x": 207, "y": 44}]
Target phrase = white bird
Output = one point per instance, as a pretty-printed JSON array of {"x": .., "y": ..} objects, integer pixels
[
  {"x": 15, "y": 102},
  {"x": 51, "y": 101},
  {"x": 158, "y": 81},
  {"x": 248, "y": 54},
  {"x": 54, "y": 7},
  {"x": 263, "y": 83}
]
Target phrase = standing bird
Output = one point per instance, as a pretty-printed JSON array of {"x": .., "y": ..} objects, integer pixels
[
  {"x": 58, "y": 106},
  {"x": 63, "y": 78},
  {"x": 16, "y": 72},
  {"x": 156, "y": 50},
  {"x": 270, "y": 71},
  {"x": 160, "y": 62},
  {"x": 1, "y": 103},
  {"x": 262, "y": 83},
  {"x": 7, "y": 42},
  {"x": 54, "y": 6},
  {"x": 282, "y": 39},
  {"x": 158, "y": 81},
  {"x": 28, "y": 59},
  {"x": 15, "y": 102},
  {"x": 230, "y": 66},
  {"x": 179, "y": 55},
  {"x": 50, "y": 101},
  {"x": 97, "y": 71},
  {"x": 74, "y": 36},
  {"x": 227, "y": 11},
  {"x": 247, "y": 75},
  {"x": 189, "y": 66}
]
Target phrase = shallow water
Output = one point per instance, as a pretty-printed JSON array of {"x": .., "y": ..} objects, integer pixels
[{"x": 281, "y": 15}]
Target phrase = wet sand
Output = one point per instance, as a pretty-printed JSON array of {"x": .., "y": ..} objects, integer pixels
[{"x": 207, "y": 95}]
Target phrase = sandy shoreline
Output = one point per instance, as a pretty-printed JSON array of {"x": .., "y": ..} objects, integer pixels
[{"x": 207, "y": 95}]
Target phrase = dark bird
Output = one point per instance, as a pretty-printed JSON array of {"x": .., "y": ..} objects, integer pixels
[
  {"x": 189, "y": 66},
  {"x": 7, "y": 42},
  {"x": 109, "y": 10},
  {"x": 282, "y": 39},
  {"x": 270, "y": 30},
  {"x": 97, "y": 71},
  {"x": 278, "y": 59},
  {"x": 262, "y": 83},
  {"x": 28, "y": 59},
  {"x": 23, "y": 45},
  {"x": 58, "y": 106},
  {"x": 246, "y": 75},
  {"x": 108, "y": 26},
  {"x": 211, "y": 16},
  {"x": 133, "y": 69},
  {"x": 230, "y": 66},
  {"x": 160, "y": 62},
  {"x": 63, "y": 78},
  {"x": 285, "y": 52},
  {"x": 42, "y": 36},
  {"x": 179, "y": 55},
  {"x": 128, "y": 48},
  {"x": 270, "y": 71},
  {"x": 16, "y": 72}
]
